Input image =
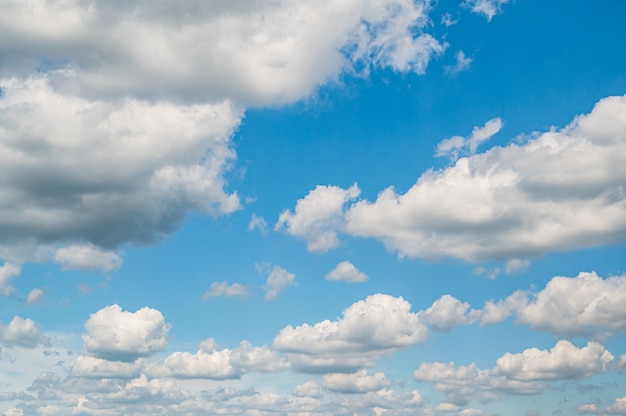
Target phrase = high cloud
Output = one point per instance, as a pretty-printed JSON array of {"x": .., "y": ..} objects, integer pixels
[
  {"x": 368, "y": 329},
  {"x": 116, "y": 335},
  {"x": 562, "y": 190}
]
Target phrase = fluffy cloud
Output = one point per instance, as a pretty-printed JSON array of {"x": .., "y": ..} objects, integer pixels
[
  {"x": 224, "y": 289},
  {"x": 87, "y": 257},
  {"x": 278, "y": 280},
  {"x": 20, "y": 332},
  {"x": 559, "y": 191},
  {"x": 317, "y": 216},
  {"x": 369, "y": 328},
  {"x": 307, "y": 389},
  {"x": 453, "y": 146},
  {"x": 112, "y": 172},
  {"x": 116, "y": 335},
  {"x": 487, "y": 7},
  {"x": 359, "y": 382},
  {"x": 257, "y": 52},
  {"x": 448, "y": 312},
  {"x": 218, "y": 364},
  {"x": 92, "y": 367},
  {"x": 348, "y": 272},
  {"x": 34, "y": 296},
  {"x": 618, "y": 408},
  {"x": 7, "y": 272}
]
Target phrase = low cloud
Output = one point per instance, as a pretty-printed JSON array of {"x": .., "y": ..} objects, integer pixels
[
  {"x": 224, "y": 289},
  {"x": 346, "y": 271},
  {"x": 87, "y": 257}
]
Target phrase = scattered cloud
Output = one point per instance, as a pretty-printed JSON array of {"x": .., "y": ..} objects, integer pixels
[
  {"x": 20, "y": 332},
  {"x": 346, "y": 271},
  {"x": 368, "y": 329},
  {"x": 489, "y": 8},
  {"x": 7, "y": 272},
  {"x": 258, "y": 223},
  {"x": 34, "y": 296},
  {"x": 278, "y": 280},
  {"x": 447, "y": 20},
  {"x": 448, "y": 312},
  {"x": 224, "y": 289},
  {"x": 92, "y": 367},
  {"x": 462, "y": 64},
  {"x": 87, "y": 257},
  {"x": 454, "y": 146},
  {"x": 617, "y": 408},
  {"x": 307, "y": 389},
  {"x": 359, "y": 382},
  {"x": 116, "y": 335}
]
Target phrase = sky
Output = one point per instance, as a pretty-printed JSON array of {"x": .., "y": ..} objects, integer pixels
[{"x": 293, "y": 207}]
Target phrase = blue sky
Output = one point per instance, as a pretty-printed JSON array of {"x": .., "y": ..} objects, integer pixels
[{"x": 376, "y": 207}]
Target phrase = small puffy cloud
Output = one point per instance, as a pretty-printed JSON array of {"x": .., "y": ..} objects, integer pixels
[
  {"x": 317, "y": 216},
  {"x": 462, "y": 64},
  {"x": 92, "y": 367},
  {"x": 368, "y": 329},
  {"x": 218, "y": 364},
  {"x": 278, "y": 280},
  {"x": 346, "y": 271},
  {"x": 617, "y": 408},
  {"x": 20, "y": 332},
  {"x": 34, "y": 296},
  {"x": 307, "y": 389},
  {"x": 7, "y": 272},
  {"x": 456, "y": 145},
  {"x": 448, "y": 312},
  {"x": 258, "y": 223},
  {"x": 588, "y": 408},
  {"x": 359, "y": 382},
  {"x": 564, "y": 361},
  {"x": 514, "y": 266},
  {"x": 489, "y": 8},
  {"x": 224, "y": 289},
  {"x": 116, "y": 335},
  {"x": 87, "y": 257}
]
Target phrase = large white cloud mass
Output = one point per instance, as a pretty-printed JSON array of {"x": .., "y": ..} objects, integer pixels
[
  {"x": 369, "y": 328},
  {"x": 562, "y": 190},
  {"x": 116, "y": 335}
]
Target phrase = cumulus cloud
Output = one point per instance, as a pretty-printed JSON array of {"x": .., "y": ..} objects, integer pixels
[
  {"x": 113, "y": 172},
  {"x": 34, "y": 296},
  {"x": 562, "y": 190},
  {"x": 7, "y": 272},
  {"x": 20, "y": 332},
  {"x": 218, "y": 364},
  {"x": 348, "y": 272},
  {"x": 87, "y": 257},
  {"x": 368, "y": 329},
  {"x": 317, "y": 216},
  {"x": 278, "y": 280},
  {"x": 92, "y": 367},
  {"x": 359, "y": 382},
  {"x": 489, "y": 8},
  {"x": 307, "y": 389},
  {"x": 448, "y": 312},
  {"x": 258, "y": 52},
  {"x": 224, "y": 289},
  {"x": 453, "y": 146},
  {"x": 618, "y": 408},
  {"x": 116, "y": 335}
]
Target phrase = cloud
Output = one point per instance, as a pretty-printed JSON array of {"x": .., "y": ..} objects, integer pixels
[
  {"x": 588, "y": 408},
  {"x": 346, "y": 271},
  {"x": 7, "y": 272},
  {"x": 106, "y": 172},
  {"x": 462, "y": 64},
  {"x": 258, "y": 223},
  {"x": 560, "y": 191},
  {"x": 116, "y": 335},
  {"x": 618, "y": 408},
  {"x": 368, "y": 329},
  {"x": 453, "y": 146},
  {"x": 448, "y": 312},
  {"x": 257, "y": 52},
  {"x": 34, "y": 296},
  {"x": 20, "y": 332},
  {"x": 92, "y": 367},
  {"x": 218, "y": 364},
  {"x": 317, "y": 216},
  {"x": 354, "y": 383},
  {"x": 489, "y": 8},
  {"x": 522, "y": 373},
  {"x": 278, "y": 280},
  {"x": 224, "y": 289},
  {"x": 307, "y": 389},
  {"x": 87, "y": 257}
]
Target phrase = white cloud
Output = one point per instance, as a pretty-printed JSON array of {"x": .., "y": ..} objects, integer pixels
[
  {"x": 447, "y": 20},
  {"x": 487, "y": 7},
  {"x": 317, "y": 216},
  {"x": 453, "y": 146},
  {"x": 258, "y": 52},
  {"x": 359, "y": 382},
  {"x": 92, "y": 367},
  {"x": 7, "y": 272},
  {"x": 514, "y": 266},
  {"x": 588, "y": 408},
  {"x": 560, "y": 191},
  {"x": 34, "y": 296},
  {"x": 218, "y": 364},
  {"x": 116, "y": 335},
  {"x": 113, "y": 171},
  {"x": 258, "y": 223},
  {"x": 448, "y": 312},
  {"x": 20, "y": 332},
  {"x": 307, "y": 389},
  {"x": 462, "y": 64},
  {"x": 87, "y": 257},
  {"x": 564, "y": 361},
  {"x": 278, "y": 280},
  {"x": 618, "y": 408},
  {"x": 224, "y": 289},
  {"x": 368, "y": 329},
  {"x": 348, "y": 272}
]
